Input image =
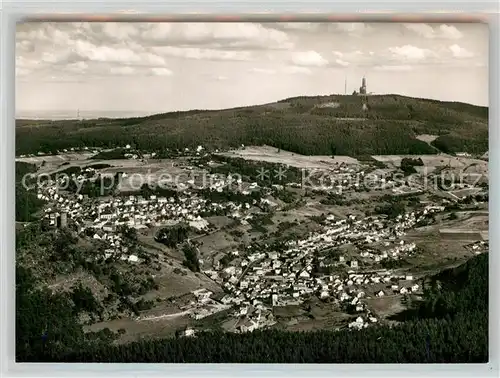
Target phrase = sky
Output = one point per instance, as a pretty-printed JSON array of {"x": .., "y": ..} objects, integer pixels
[{"x": 160, "y": 67}]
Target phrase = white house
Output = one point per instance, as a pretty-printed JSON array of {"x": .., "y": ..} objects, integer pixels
[{"x": 304, "y": 274}]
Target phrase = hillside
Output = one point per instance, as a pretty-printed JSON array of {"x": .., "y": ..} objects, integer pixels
[
  {"x": 449, "y": 314},
  {"x": 388, "y": 124}
]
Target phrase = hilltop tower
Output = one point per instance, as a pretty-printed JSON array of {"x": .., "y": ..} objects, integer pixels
[{"x": 362, "y": 89}]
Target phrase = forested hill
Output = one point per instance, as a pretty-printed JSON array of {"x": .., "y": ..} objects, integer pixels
[{"x": 322, "y": 125}]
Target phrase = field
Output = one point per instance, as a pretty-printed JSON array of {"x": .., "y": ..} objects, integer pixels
[
  {"x": 439, "y": 160},
  {"x": 51, "y": 163},
  {"x": 277, "y": 156},
  {"x": 458, "y": 234},
  {"x": 444, "y": 244},
  {"x": 427, "y": 138},
  {"x": 137, "y": 329},
  {"x": 385, "y": 306}
]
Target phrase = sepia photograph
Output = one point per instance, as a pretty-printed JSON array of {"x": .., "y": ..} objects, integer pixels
[{"x": 235, "y": 192}]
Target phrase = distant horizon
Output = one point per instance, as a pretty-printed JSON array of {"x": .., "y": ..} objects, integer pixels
[{"x": 60, "y": 115}]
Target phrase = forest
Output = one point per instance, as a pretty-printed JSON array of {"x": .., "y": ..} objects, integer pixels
[
  {"x": 172, "y": 235},
  {"x": 27, "y": 202},
  {"x": 390, "y": 126},
  {"x": 449, "y": 324}
]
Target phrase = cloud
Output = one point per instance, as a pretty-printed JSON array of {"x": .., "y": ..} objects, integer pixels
[
  {"x": 442, "y": 32},
  {"x": 354, "y": 58},
  {"x": 450, "y": 32},
  {"x": 122, "y": 70},
  {"x": 309, "y": 59},
  {"x": 24, "y": 46},
  {"x": 353, "y": 29},
  {"x": 460, "y": 52},
  {"x": 78, "y": 67},
  {"x": 423, "y": 30},
  {"x": 99, "y": 49},
  {"x": 399, "y": 68},
  {"x": 61, "y": 46},
  {"x": 118, "y": 32},
  {"x": 121, "y": 55},
  {"x": 242, "y": 35},
  {"x": 22, "y": 62},
  {"x": 409, "y": 52},
  {"x": 161, "y": 71},
  {"x": 341, "y": 62},
  {"x": 298, "y": 26},
  {"x": 202, "y": 53}
]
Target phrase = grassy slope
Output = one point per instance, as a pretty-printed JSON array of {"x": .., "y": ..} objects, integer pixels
[{"x": 389, "y": 126}]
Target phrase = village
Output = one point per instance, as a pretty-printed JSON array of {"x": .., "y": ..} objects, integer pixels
[{"x": 259, "y": 277}]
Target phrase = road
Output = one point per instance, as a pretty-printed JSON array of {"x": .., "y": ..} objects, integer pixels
[{"x": 166, "y": 316}]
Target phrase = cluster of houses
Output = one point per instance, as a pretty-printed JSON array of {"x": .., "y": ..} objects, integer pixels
[
  {"x": 478, "y": 247},
  {"x": 354, "y": 178},
  {"x": 107, "y": 214},
  {"x": 265, "y": 279},
  {"x": 203, "y": 305}
]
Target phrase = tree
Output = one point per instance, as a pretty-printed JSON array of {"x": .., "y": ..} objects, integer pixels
[
  {"x": 191, "y": 258},
  {"x": 333, "y": 149}
]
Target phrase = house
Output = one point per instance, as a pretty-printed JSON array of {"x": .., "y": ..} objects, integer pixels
[
  {"x": 344, "y": 296},
  {"x": 274, "y": 299},
  {"x": 304, "y": 274},
  {"x": 380, "y": 293}
]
